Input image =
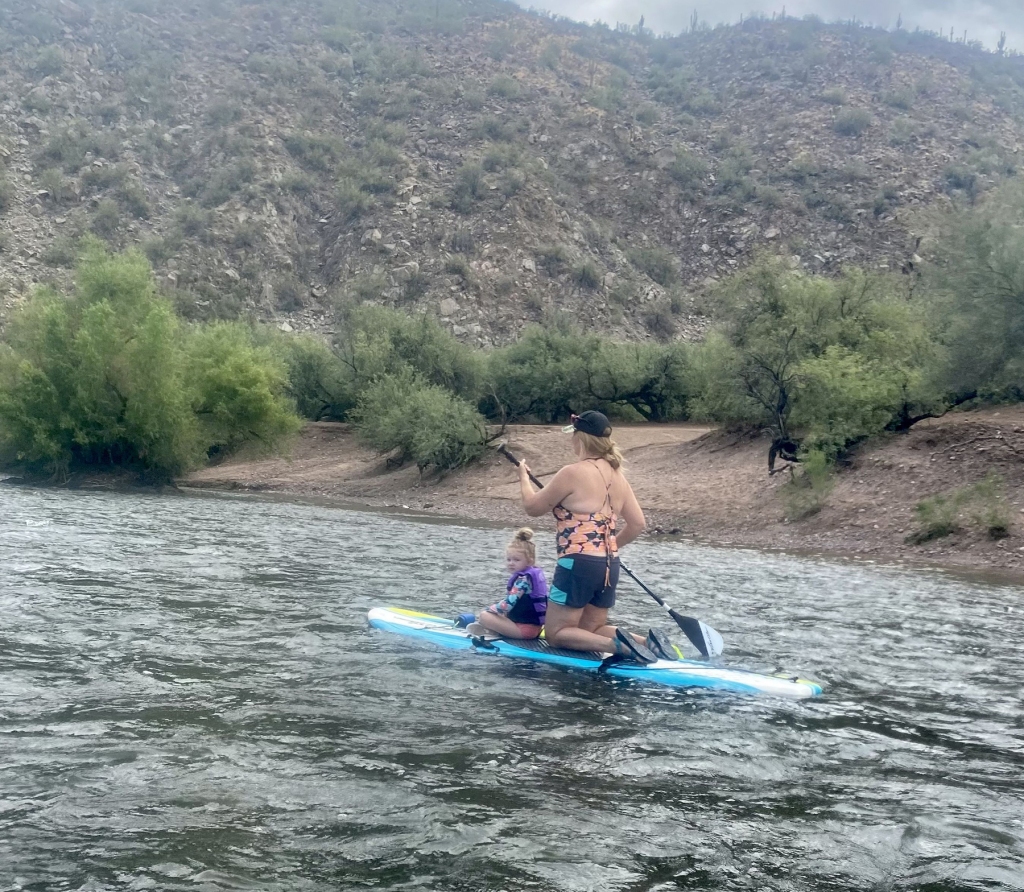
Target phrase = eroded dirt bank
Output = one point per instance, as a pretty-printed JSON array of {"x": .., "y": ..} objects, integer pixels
[{"x": 701, "y": 483}]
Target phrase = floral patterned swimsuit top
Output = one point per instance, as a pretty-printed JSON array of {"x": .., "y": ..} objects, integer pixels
[{"x": 592, "y": 533}]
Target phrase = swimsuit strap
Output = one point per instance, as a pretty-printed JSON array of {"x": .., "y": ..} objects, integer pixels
[{"x": 605, "y": 525}]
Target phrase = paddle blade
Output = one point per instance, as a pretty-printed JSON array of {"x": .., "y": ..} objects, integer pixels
[{"x": 700, "y": 635}]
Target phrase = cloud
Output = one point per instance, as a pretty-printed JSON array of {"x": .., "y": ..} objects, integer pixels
[{"x": 982, "y": 19}]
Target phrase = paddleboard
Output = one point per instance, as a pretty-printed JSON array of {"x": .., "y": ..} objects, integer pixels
[{"x": 676, "y": 673}]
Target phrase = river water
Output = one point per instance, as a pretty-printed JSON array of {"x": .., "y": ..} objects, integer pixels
[{"x": 191, "y": 700}]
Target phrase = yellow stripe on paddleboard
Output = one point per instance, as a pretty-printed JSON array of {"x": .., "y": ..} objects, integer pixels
[{"x": 415, "y": 613}]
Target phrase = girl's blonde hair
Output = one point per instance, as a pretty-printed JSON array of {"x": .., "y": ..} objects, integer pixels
[
  {"x": 523, "y": 542},
  {"x": 601, "y": 447}
]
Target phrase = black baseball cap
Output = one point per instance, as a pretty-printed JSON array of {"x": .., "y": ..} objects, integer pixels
[{"x": 593, "y": 422}]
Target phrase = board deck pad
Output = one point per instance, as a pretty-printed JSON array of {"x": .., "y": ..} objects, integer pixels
[{"x": 675, "y": 673}]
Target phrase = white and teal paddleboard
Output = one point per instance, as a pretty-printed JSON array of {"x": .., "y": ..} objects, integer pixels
[{"x": 676, "y": 673}]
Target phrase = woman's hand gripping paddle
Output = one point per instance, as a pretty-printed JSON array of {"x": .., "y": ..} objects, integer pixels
[{"x": 700, "y": 635}]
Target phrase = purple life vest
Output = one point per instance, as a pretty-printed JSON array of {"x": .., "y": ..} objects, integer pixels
[{"x": 538, "y": 594}]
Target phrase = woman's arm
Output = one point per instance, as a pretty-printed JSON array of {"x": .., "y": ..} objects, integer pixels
[
  {"x": 536, "y": 503},
  {"x": 633, "y": 515}
]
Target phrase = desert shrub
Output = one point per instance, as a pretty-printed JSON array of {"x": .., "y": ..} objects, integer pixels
[
  {"x": 903, "y": 132},
  {"x": 504, "y": 87},
  {"x": 690, "y": 171},
  {"x": 901, "y": 99},
  {"x": 315, "y": 151},
  {"x": 553, "y": 258},
  {"x": 803, "y": 168},
  {"x": 352, "y": 202},
  {"x": 550, "y": 54},
  {"x": 660, "y": 321},
  {"x": 421, "y": 422},
  {"x": 852, "y": 121},
  {"x": 6, "y": 194},
  {"x": 960, "y": 178},
  {"x": 193, "y": 222},
  {"x": 56, "y": 185},
  {"x": 769, "y": 197},
  {"x": 458, "y": 266},
  {"x": 808, "y": 490},
  {"x": 936, "y": 517},
  {"x": 297, "y": 183},
  {"x": 463, "y": 241},
  {"x": 468, "y": 188},
  {"x": 133, "y": 198},
  {"x": 49, "y": 62},
  {"x": 106, "y": 218},
  {"x": 490, "y": 127},
  {"x": 834, "y": 96},
  {"x": 658, "y": 263},
  {"x": 96, "y": 179},
  {"x": 500, "y": 157},
  {"x": 587, "y": 275},
  {"x": 511, "y": 183},
  {"x": 62, "y": 251},
  {"x": 223, "y": 111},
  {"x": 226, "y": 182}
]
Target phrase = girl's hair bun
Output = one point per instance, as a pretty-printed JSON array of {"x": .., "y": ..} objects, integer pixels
[{"x": 525, "y": 534}]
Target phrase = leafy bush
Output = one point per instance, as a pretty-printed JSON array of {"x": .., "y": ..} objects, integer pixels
[
  {"x": 6, "y": 194},
  {"x": 553, "y": 258},
  {"x": 238, "y": 389},
  {"x": 504, "y": 87},
  {"x": 690, "y": 171},
  {"x": 109, "y": 377},
  {"x": 422, "y": 422},
  {"x": 981, "y": 505},
  {"x": 106, "y": 218},
  {"x": 852, "y": 121},
  {"x": 351, "y": 200},
  {"x": 658, "y": 263},
  {"x": 587, "y": 275},
  {"x": 468, "y": 188},
  {"x": 808, "y": 491}
]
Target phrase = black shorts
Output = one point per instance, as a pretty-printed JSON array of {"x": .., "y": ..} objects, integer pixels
[{"x": 579, "y": 581}]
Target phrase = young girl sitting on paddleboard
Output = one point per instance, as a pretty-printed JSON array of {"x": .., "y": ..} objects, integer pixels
[{"x": 520, "y": 614}]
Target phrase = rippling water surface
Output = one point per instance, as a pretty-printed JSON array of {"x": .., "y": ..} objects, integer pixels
[{"x": 191, "y": 699}]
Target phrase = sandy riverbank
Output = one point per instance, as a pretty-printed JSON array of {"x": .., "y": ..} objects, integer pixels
[{"x": 701, "y": 483}]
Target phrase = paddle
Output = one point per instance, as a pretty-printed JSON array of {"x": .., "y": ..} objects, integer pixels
[{"x": 700, "y": 635}]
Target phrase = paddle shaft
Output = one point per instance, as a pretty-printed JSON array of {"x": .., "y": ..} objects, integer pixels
[{"x": 692, "y": 628}]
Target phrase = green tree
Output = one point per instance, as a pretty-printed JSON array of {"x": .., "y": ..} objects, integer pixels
[
  {"x": 977, "y": 288},
  {"x": 97, "y": 379},
  {"x": 238, "y": 389}
]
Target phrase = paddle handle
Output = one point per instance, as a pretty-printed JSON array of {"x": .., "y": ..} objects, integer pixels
[{"x": 503, "y": 449}]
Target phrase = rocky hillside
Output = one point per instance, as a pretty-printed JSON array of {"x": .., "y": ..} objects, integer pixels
[{"x": 474, "y": 160}]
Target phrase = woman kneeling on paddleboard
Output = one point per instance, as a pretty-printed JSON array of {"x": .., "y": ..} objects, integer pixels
[{"x": 588, "y": 497}]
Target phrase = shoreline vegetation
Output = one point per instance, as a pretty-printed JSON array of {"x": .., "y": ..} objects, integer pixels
[
  {"x": 710, "y": 486},
  {"x": 894, "y": 403}
]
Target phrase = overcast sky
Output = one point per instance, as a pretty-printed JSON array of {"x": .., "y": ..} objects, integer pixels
[{"x": 983, "y": 19}]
